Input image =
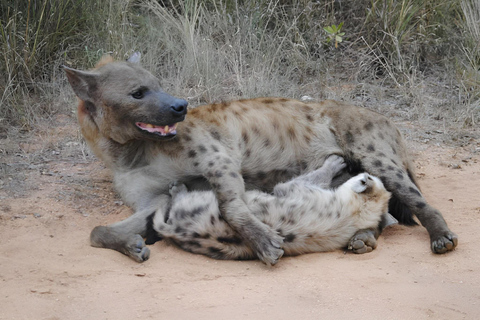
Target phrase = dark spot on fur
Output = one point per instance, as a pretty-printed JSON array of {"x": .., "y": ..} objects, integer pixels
[
  {"x": 420, "y": 205},
  {"x": 381, "y": 136},
  {"x": 195, "y": 164},
  {"x": 248, "y": 153},
  {"x": 397, "y": 185},
  {"x": 193, "y": 243},
  {"x": 400, "y": 175},
  {"x": 215, "y": 134},
  {"x": 187, "y": 138},
  {"x": 368, "y": 126},
  {"x": 212, "y": 220},
  {"x": 202, "y": 149},
  {"x": 377, "y": 163},
  {"x": 214, "y": 250},
  {"x": 414, "y": 191},
  {"x": 233, "y": 175},
  {"x": 349, "y": 137},
  {"x": 289, "y": 238},
  {"x": 390, "y": 168},
  {"x": 245, "y": 137},
  {"x": 218, "y": 174},
  {"x": 266, "y": 142},
  {"x": 261, "y": 175},
  {"x": 214, "y": 148},
  {"x": 309, "y": 117},
  {"x": 371, "y": 148},
  {"x": 267, "y": 101},
  {"x": 179, "y": 230},
  {"x": 192, "y": 154},
  {"x": 230, "y": 240},
  {"x": 211, "y": 163},
  {"x": 393, "y": 161},
  {"x": 381, "y": 154}
]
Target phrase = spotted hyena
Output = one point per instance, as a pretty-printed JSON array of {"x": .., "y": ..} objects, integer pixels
[
  {"x": 145, "y": 136},
  {"x": 306, "y": 212}
]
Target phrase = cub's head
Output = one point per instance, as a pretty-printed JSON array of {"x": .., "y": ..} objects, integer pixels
[
  {"x": 122, "y": 101},
  {"x": 370, "y": 188}
]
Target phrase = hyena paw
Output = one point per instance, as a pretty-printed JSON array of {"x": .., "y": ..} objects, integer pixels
[
  {"x": 131, "y": 245},
  {"x": 136, "y": 249},
  {"x": 363, "y": 241},
  {"x": 176, "y": 188},
  {"x": 335, "y": 164},
  {"x": 268, "y": 246},
  {"x": 444, "y": 243}
]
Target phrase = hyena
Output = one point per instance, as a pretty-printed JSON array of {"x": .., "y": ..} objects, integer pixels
[
  {"x": 145, "y": 137},
  {"x": 306, "y": 212}
]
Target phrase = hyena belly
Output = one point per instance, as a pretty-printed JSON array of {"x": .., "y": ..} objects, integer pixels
[{"x": 309, "y": 218}]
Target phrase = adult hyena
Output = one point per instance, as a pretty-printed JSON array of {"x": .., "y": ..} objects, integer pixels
[{"x": 145, "y": 137}]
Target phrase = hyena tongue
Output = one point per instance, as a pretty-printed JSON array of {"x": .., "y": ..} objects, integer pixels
[{"x": 156, "y": 129}]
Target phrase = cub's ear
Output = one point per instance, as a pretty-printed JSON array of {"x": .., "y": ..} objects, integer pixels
[
  {"x": 135, "y": 57},
  {"x": 84, "y": 83},
  {"x": 387, "y": 220},
  {"x": 361, "y": 184}
]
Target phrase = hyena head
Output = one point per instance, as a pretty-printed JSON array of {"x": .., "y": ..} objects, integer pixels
[
  {"x": 124, "y": 102},
  {"x": 370, "y": 191}
]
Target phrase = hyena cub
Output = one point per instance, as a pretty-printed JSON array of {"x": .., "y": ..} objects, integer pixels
[{"x": 309, "y": 215}]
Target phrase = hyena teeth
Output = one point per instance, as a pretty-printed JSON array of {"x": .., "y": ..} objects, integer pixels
[
  {"x": 167, "y": 129},
  {"x": 149, "y": 125}
]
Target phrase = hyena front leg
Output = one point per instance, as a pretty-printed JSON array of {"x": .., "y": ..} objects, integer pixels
[
  {"x": 321, "y": 177},
  {"x": 127, "y": 236},
  {"x": 225, "y": 177}
]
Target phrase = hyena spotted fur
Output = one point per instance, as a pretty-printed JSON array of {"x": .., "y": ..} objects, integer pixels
[
  {"x": 306, "y": 212},
  {"x": 147, "y": 139}
]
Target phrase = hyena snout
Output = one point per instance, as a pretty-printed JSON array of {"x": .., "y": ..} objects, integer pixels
[{"x": 176, "y": 106}]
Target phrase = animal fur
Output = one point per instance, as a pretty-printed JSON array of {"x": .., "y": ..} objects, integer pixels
[
  {"x": 147, "y": 139},
  {"x": 309, "y": 215}
]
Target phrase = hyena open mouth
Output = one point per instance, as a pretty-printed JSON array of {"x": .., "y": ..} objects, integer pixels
[{"x": 164, "y": 131}]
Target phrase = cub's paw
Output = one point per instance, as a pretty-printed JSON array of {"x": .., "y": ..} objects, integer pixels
[
  {"x": 176, "y": 188},
  {"x": 363, "y": 241},
  {"x": 136, "y": 249},
  {"x": 444, "y": 243},
  {"x": 334, "y": 163}
]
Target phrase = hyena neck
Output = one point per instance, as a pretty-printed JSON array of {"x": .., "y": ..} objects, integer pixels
[{"x": 139, "y": 153}]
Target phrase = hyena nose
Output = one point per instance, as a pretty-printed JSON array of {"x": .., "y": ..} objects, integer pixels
[{"x": 179, "y": 107}]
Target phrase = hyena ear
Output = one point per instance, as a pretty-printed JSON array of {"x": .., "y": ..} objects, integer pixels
[
  {"x": 361, "y": 184},
  {"x": 84, "y": 83},
  {"x": 135, "y": 57}
]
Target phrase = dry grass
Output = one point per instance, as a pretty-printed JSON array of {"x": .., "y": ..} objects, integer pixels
[{"x": 413, "y": 60}]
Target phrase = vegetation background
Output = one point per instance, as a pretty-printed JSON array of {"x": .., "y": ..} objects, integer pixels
[{"x": 415, "y": 60}]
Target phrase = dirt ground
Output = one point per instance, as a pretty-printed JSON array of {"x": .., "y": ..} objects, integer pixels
[{"x": 52, "y": 193}]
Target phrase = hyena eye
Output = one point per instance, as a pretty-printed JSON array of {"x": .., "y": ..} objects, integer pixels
[{"x": 139, "y": 93}]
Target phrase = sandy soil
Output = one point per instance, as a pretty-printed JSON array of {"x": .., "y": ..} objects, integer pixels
[{"x": 50, "y": 200}]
